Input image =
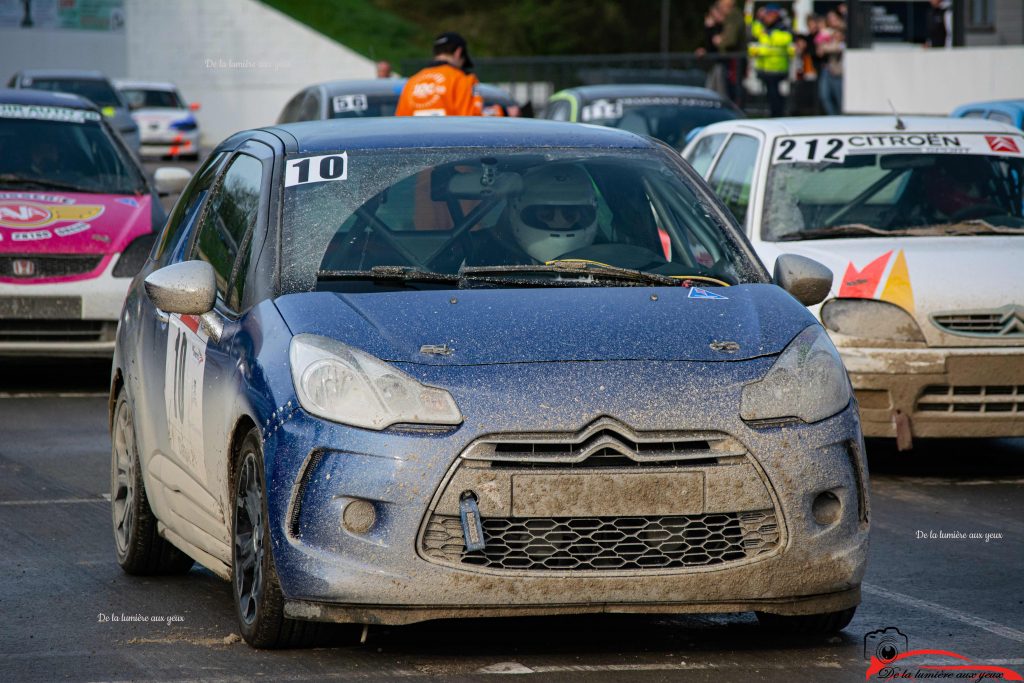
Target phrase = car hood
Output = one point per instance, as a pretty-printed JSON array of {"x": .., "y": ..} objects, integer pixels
[
  {"x": 161, "y": 115},
  {"x": 486, "y": 326},
  {"x": 40, "y": 222},
  {"x": 924, "y": 275}
]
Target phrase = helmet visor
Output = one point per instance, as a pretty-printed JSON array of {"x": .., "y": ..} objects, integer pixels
[{"x": 558, "y": 216}]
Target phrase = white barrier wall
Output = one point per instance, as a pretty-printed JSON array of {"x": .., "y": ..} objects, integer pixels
[
  {"x": 241, "y": 60},
  {"x": 929, "y": 81},
  {"x": 35, "y": 48}
]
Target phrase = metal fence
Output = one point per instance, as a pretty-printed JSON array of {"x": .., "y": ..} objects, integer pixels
[{"x": 534, "y": 79}]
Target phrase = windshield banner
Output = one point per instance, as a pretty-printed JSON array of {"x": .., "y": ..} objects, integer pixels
[{"x": 835, "y": 148}]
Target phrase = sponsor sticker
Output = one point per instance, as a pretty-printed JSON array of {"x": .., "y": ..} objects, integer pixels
[
  {"x": 601, "y": 109},
  {"x": 185, "y": 365},
  {"x": 316, "y": 169},
  {"x": 699, "y": 293},
  {"x": 347, "y": 103},
  {"x": 826, "y": 148},
  {"x": 21, "y": 214},
  {"x": 41, "y": 113}
]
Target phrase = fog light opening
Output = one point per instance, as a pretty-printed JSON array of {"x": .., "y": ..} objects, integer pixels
[
  {"x": 826, "y": 508},
  {"x": 359, "y": 516}
]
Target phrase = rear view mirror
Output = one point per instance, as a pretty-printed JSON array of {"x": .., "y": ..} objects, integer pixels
[
  {"x": 170, "y": 180},
  {"x": 478, "y": 183},
  {"x": 188, "y": 288},
  {"x": 893, "y": 162},
  {"x": 807, "y": 280}
]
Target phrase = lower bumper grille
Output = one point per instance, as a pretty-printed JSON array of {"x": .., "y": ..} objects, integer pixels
[
  {"x": 606, "y": 543},
  {"x": 993, "y": 399},
  {"x": 74, "y": 331}
]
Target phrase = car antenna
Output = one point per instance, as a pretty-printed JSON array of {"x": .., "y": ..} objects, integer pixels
[{"x": 899, "y": 122}]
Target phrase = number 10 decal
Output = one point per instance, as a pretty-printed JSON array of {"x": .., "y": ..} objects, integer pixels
[{"x": 317, "y": 169}]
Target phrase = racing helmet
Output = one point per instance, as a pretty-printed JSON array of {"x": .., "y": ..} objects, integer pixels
[{"x": 556, "y": 212}]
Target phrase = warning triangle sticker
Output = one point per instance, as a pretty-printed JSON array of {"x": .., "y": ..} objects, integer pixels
[{"x": 698, "y": 293}]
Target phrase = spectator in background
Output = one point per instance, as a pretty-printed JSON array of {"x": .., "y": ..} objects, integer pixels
[
  {"x": 384, "y": 70},
  {"x": 771, "y": 50},
  {"x": 446, "y": 86},
  {"x": 712, "y": 29},
  {"x": 829, "y": 44},
  {"x": 940, "y": 24},
  {"x": 730, "y": 40}
]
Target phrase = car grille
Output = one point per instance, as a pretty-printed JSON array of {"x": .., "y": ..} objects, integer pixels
[
  {"x": 50, "y": 266},
  {"x": 56, "y": 331},
  {"x": 607, "y": 498},
  {"x": 1005, "y": 322},
  {"x": 972, "y": 399},
  {"x": 607, "y": 543}
]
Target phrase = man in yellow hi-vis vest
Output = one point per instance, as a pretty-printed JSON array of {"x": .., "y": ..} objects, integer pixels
[{"x": 771, "y": 48}]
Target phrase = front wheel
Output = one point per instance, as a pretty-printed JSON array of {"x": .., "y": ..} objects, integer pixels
[
  {"x": 259, "y": 603},
  {"x": 139, "y": 548},
  {"x": 807, "y": 624}
]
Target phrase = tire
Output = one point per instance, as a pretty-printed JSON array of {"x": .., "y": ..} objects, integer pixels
[
  {"x": 807, "y": 624},
  {"x": 255, "y": 588},
  {"x": 140, "y": 550}
]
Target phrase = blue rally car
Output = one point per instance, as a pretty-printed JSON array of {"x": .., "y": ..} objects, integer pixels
[{"x": 390, "y": 370}]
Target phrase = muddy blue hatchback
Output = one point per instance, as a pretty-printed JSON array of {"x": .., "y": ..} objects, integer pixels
[{"x": 384, "y": 371}]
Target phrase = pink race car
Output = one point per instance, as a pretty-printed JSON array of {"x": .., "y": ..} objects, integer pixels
[{"x": 77, "y": 219}]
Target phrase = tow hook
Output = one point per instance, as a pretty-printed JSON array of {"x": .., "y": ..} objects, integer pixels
[{"x": 472, "y": 529}]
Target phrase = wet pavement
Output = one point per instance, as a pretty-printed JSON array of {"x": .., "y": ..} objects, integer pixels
[{"x": 67, "y": 612}]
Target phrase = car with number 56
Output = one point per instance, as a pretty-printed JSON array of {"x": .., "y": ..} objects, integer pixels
[{"x": 390, "y": 370}]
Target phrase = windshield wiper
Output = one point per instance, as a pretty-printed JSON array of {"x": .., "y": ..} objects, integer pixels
[
  {"x": 972, "y": 227},
  {"x": 572, "y": 267},
  {"x": 399, "y": 273},
  {"x": 15, "y": 179},
  {"x": 836, "y": 231}
]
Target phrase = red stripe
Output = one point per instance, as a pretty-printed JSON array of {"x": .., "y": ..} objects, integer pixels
[{"x": 191, "y": 322}]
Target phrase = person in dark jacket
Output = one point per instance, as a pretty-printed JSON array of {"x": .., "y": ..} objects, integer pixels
[{"x": 940, "y": 24}]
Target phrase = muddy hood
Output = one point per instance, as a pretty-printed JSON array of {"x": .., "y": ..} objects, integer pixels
[
  {"x": 487, "y": 326},
  {"x": 39, "y": 222}
]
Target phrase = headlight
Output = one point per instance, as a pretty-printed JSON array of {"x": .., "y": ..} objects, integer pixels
[
  {"x": 342, "y": 384},
  {"x": 808, "y": 381},
  {"x": 870, "y": 319},
  {"x": 134, "y": 255}
]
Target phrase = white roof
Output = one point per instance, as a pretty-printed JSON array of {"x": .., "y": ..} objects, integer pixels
[
  {"x": 825, "y": 125},
  {"x": 121, "y": 84}
]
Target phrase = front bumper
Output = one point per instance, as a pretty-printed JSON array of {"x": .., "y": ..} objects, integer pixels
[
  {"x": 316, "y": 469},
  {"x": 170, "y": 144},
  {"x": 945, "y": 392},
  {"x": 75, "y": 317}
]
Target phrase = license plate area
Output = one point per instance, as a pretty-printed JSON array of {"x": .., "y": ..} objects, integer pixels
[
  {"x": 40, "y": 308},
  {"x": 607, "y": 494}
]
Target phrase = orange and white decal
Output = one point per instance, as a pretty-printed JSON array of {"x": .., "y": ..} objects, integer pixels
[
  {"x": 885, "y": 278},
  {"x": 26, "y": 215}
]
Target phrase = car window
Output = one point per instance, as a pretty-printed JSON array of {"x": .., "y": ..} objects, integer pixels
[
  {"x": 291, "y": 110},
  {"x": 139, "y": 98},
  {"x": 101, "y": 93},
  {"x": 227, "y": 221},
  {"x": 446, "y": 210},
  {"x": 69, "y": 150},
  {"x": 310, "y": 109},
  {"x": 1000, "y": 117},
  {"x": 559, "y": 110},
  {"x": 733, "y": 172},
  {"x": 703, "y": 152},
  {"x": 186, "y": 209},
  {"x": 358, "y": 105},
  {"x": 668, "y": 119},
  {"x": 820, "y": 187}
]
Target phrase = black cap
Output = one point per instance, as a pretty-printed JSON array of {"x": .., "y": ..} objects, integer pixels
[{"x": 448, "y": 42}]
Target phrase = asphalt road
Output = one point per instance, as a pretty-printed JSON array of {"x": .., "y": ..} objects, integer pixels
[{"x": 59, "y": 581}]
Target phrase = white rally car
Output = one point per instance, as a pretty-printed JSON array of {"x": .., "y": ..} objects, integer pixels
[
  {"x": 922, "y": 222},
  {"x": 167, "y": 125}
]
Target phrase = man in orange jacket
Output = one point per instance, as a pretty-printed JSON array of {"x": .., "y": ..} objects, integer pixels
[{"x": 445, "y": 87}]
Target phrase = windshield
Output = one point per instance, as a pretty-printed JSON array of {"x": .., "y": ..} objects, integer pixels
[
  {"x": 158, "y": 99},
  {"x": 62, "y": 149},
  {"x": 449, "y": 212},
  {"x": 357, "y": 106},
  {"x": 845, "y": 186},
  {"x": 99, "y": 92},
  {"x": 668, "y": 119}
]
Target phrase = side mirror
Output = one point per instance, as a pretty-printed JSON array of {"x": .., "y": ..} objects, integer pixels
[
  {"x": 194, "y": 106},
  {"x": 189, "y": 288},
  {"x": 807, "y": 280},
  {"x": 170, "y": 180}
]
